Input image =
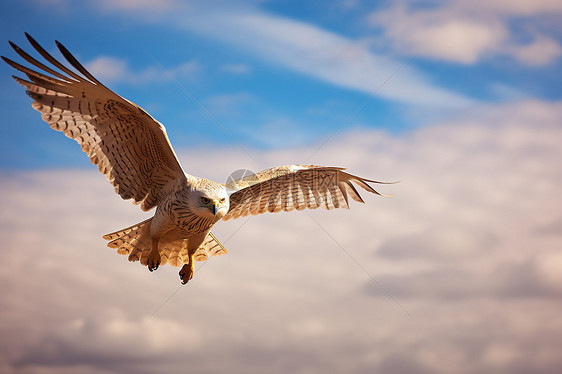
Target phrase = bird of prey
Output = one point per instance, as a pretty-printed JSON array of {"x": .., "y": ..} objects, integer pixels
[{"x": 132, "y": 150}]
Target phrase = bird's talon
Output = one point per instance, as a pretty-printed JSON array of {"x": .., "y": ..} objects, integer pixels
[
  {"x": 153, "y": 261},
  {"x": 186, "y": 274}
]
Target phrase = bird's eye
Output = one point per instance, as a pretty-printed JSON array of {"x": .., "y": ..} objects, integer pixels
[
  {"x": 222, "y": 200},
  {"x": 205, "y": 200}
]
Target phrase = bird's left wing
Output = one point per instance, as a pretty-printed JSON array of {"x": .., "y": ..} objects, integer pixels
[
  {"x": 286, "y": 188},
  {"x": 129, "y": 146}
]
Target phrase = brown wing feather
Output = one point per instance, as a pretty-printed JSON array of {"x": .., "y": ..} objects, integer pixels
[
  {"x": 286, "y": 188},
  {"x": 129, "y": 146}
]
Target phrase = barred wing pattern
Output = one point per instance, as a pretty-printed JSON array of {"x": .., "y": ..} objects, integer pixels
[
  {"x": 129, "y": 146},
  {"x": 286, "y": 188}
]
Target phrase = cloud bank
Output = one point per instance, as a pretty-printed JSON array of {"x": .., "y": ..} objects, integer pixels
[
  {"x": 469, "y": 246},
  {"x": 468, "y": 32}
]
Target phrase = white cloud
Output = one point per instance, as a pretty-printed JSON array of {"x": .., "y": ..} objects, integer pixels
[
  {"x": 316, "y": 52},
  {"x": 229, "y": 100},
  {"x": 432, "y": 34},
  {"x": 109, "y": 69},
  {"x": 236, "y": 68},
  {"x": 541, "y": 51},
  {"x": 58, "y": 3},
  {"x": 187, "y": 69},
  {"x": 229, "y": 105},
  {"x": 280, "y": 132},
  {"x": 135, "y": 5},
  {"x": 467, "y": 32},
  {"x": 512, "y": 8},
  {"x": 509, "y": 93},
  {"x": 471, "y": 237},
  {"x": 462, "y": 39},
  {"x": 305, "y": 48}
]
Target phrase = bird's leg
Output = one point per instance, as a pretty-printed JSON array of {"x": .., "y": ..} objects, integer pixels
[
  {"x": 160, "y": 225},
  {"x": 154, "y": 255},
  {"x": 186, "y": 272},
  {"x": 193, "y": 243}
]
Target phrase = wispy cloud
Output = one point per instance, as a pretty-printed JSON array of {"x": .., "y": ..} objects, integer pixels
[
  {"x": 117, "y": 70},
  {"x": 235, "y": 68},
  {"x": 229, "y": 104},
  {"x": 542, "y": 50},
  {"x": 278, "y": 132},
  {"x": 324, "y": 55},
  {"x": 310, "y": 50},
  {"x": 228, "y": 100},
  {"x": 138, "y": 5}
]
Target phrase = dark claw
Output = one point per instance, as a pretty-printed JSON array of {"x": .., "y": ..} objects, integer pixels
[
  {"x": 186, "y": 273},
  {"x": 155, "y": 267},
  {"x": 184, "y": 282}
]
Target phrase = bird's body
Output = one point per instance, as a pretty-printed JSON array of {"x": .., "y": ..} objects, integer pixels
[
  {"x": 182, "y": 222},
  {"x": 133, "y": 151}
]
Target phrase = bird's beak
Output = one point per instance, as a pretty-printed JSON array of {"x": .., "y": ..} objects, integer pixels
[{"x": 216, "y": 205}]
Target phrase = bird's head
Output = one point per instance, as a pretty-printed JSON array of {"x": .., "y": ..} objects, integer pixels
[{"x": 211, "y": 201}]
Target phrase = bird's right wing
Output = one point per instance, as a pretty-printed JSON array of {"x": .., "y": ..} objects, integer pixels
[
  {"x": 129, "y": 146},
  {"x": 299, "y": 187}
]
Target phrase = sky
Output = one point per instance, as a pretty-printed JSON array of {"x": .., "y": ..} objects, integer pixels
[{"x": 460, "y": 271}]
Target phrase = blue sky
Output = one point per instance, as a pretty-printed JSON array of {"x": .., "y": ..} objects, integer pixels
[{"x": 279, "y": 74}]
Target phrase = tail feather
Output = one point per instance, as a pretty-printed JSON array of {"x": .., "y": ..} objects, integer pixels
[
  {"x": 130, "y": 240},
  {"x": 210, "y": 247},
  {"x": 135, "y": 242}
]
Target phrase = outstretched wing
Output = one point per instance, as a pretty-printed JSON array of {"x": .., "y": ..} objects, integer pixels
[
  {"x": 286, "y": 188},
  {"x": 129, "y": 146}
]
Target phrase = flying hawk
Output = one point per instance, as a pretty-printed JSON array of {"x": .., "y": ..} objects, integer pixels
[{"x": 133, "y": 151}]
